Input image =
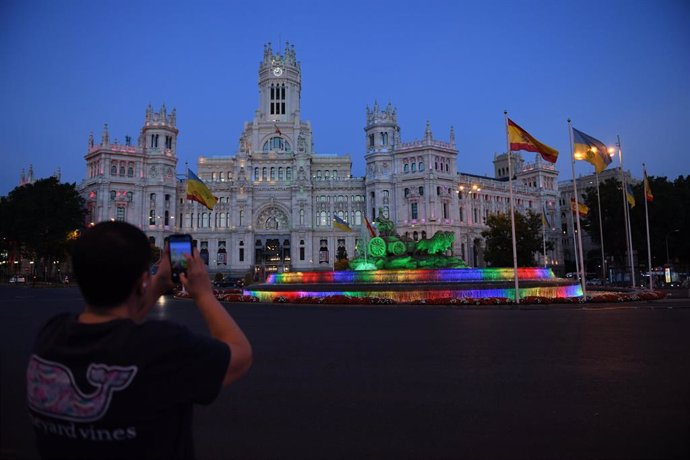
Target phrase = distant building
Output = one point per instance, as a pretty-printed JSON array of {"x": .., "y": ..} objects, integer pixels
[{"x": 277, "y": 196}]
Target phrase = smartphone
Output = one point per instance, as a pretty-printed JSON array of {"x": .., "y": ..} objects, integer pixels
[{"x": 180, "y": 244}]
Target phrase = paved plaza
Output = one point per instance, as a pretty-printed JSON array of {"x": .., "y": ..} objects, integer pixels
[{"x": 418, "y": 382}]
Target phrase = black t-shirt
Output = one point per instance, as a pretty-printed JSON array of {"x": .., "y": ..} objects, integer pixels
[{"x": 120, "y": 389}]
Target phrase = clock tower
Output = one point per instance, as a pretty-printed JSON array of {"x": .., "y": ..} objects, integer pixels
[{"x": 280, "y": 84}]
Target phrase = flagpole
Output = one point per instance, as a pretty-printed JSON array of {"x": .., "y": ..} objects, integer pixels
[
  {"x": 577, "y": 259},
  {"x": 601, "y": 231},
  {"x": 628, "y": 233},
  {"x": 512, "y": 210},
  {"x": 543, "y": 237},
  {"x": 577, "y": 213},
  {"x": 646, "y": 218}
]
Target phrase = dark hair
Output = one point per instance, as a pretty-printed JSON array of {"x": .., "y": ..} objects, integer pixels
[{"x": 107, "y": 260}]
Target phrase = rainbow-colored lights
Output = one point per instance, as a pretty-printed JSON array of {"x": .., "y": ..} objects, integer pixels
[
  {"x": 448, "y": 275},
  {"x": 415, "y": 285}
]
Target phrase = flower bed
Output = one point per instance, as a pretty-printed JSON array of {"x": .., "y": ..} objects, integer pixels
[{"x": 235, "y": 295}]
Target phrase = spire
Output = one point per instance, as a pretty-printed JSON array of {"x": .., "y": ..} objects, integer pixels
[
  {"x": 104, "y": 136},
  {"x": 173, "y": 117},
  {"x": 30, "y": 179},
  {"x": 149, "y": 113},
  {"x": 90, "y": 139},
  {"x": 427, "y": 132},
  {"x": 452, "y": 136}
]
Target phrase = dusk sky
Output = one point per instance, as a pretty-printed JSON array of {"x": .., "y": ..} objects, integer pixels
[{"x": 613, "y": 67}]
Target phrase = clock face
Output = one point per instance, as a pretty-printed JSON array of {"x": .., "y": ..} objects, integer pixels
[{"x": 277, "y": 71}]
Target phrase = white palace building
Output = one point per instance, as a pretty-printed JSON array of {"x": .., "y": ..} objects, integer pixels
[{"x": 277, "y": 196}]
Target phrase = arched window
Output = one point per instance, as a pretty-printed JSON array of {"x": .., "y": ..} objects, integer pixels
[
  {"x": 256, "y": 174},
  {"x": 277, "y": 144},
  {"x": 122, "y": 169},
  {"x": 288, "y": 173},
  {"x": 358, "y": 218},
  {"x": 421, "y": 166},
  {"x": 113, "y": 169},
  {"x": 414, "y": 167},
  {"x": 273, "y": 173},
  {"x": 415, "y": 236},
  {"x": 264, "y": 173},
  {"x": 407, "y": 192},
  {"x": 280, "y": 173},
  {"x": 406, "y": 167}
]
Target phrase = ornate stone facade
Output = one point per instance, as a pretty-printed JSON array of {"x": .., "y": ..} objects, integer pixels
[{"x": 277, "y": 196}]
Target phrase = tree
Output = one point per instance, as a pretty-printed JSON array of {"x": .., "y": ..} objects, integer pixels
[
  {"x": 36, "y": 219},
  {"x": 499, "y": 246},
  {"x": 669, "y": 211}
]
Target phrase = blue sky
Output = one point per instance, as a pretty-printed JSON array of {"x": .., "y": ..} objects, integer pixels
[{"x": 613, "y": 67}]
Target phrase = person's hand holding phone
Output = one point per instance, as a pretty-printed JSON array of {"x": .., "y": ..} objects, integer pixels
[{"x": 196, "y": 280}]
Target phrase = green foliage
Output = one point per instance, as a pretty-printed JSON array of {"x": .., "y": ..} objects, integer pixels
[
  {"x": 37, "y": 218},
  {"x": 669, "y": 211},
  {"x": 499, "y": 246}
]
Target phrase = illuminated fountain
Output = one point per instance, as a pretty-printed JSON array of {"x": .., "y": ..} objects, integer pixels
[{"x": 407, "y": 271}]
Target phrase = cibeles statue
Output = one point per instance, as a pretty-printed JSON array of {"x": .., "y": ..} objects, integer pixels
[{"x": 389, "y": 251}]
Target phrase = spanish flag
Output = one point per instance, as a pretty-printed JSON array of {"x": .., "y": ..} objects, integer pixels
[
  {"x": 582, "y": 208},
  {"x": 340, "y": 224},
  {"x": 649, "y": 196},
  {"x": 198, "y": 191},
  {"x": 520, "y": 139},
  {"x": 591, "y": 150}
]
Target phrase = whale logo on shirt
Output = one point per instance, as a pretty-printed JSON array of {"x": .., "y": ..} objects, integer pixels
[{"x": 52, "y": 391}]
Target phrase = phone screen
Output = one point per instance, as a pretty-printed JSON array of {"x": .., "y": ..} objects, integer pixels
[{"x": 179, "y": 246}]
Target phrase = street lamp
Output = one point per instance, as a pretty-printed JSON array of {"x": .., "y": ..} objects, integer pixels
[{"x": 668, "y": 260}]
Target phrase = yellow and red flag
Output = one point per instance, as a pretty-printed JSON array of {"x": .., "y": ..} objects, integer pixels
[
  {"x": 581, "y": 208},
  {"x": 520, "y": 139},
  {"x": 647, "y": 189}
]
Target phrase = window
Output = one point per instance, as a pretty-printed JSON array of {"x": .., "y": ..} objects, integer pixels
[
  {"x": 371, "y": 140},
  {"x": 421, "y": 166},
  {"x": 288, "y": 173},
  {"x": 421, "y": 191},
  {"x": 406, "y": 168},
  {"x": 280, "y": 173},
  {"x": 415, "y": 236},
  {"x": 166, "y": 218},
  {"x": 264, "y": 173},
  {"x": 241, "y": 222},
  {"x": 384, "y": 138},
  {"x": 152, "y": 217},
  {"x": 256, "y": 174},
  {"x": 120, "y": 214},
  {"x": 414, "y": 167},
  {"x": 130, "y": 170},
  {"x": 273, "y": 173},
  {"x": 113, "y": 194},
  {"x": 407, "y": 192},
  {"x": 122, "y": 169},
  {"x": 277, "y": 144},
  {"x": 301, "y": 216},
  {"x": 278, "y": 99},
  {"x": 130, "y": 195},
  {"x": 413, "y": 211},
  {"x": 445, "y": 210},
  {"x": 113, "y": 169}
]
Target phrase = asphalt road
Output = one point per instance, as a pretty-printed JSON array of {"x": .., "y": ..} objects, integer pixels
[{"x": 418, "y": 382}]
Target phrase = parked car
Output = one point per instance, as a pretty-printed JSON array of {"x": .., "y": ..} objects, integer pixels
[
  {"x": 229, "y": 281},
  {"x": 18, "y": 279}
]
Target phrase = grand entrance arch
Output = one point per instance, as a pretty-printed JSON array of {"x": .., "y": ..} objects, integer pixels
[{"x": 272, "y": 242}]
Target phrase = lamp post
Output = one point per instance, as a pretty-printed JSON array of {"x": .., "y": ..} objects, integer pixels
[{"x": 668, "y": 260}]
